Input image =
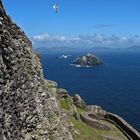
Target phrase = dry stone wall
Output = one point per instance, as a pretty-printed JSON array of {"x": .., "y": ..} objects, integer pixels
[{"x": 124, "y": 126}]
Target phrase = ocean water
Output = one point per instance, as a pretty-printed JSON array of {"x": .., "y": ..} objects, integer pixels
[{"x": 115, "y": 85}]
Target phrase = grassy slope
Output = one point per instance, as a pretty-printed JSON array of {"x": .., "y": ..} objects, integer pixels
[
  {"x": 87, "y": 132},
  {"x": 90, "y": 133}
]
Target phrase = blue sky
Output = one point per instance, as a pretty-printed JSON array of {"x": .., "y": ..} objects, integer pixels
[{"x": 76, "y": 17}]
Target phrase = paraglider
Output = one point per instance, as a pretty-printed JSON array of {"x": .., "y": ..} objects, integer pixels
[{"x": 55, "y": 7}]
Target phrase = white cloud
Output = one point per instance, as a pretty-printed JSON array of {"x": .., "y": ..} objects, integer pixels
[
  {"x": 48, "y": 37},
  {"x": 41, "y": 37},
  {"x": 86, "y": 40},
  {"x": 123, "y": 40}
]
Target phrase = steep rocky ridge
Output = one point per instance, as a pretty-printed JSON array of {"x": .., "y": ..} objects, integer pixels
[{"x": 25, "y": 101}]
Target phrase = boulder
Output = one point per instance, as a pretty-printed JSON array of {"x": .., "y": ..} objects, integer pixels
[{"x": 62, "y": 93}]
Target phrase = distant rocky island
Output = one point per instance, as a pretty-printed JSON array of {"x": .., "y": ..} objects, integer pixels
[{"x": 87, "y": 61}]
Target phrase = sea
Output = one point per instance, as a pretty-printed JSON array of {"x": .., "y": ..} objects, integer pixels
[{"x": 115, "y": 85}]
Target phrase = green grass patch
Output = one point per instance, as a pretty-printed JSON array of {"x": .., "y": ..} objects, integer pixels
[
  {"x": 80, "y": 110},
  {"x": 86, "y": 132},
  {"x": 89, "y": 133},
  {"x": 50, "y": 86},
  {"x": 65, "y": 104}
]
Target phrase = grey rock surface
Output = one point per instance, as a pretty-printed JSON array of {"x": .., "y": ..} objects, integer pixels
[
  {"x": 79, "y": 102},
  {"x": 26, "y": 105}
]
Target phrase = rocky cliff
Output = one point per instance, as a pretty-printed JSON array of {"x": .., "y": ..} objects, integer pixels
[{"x": 25, "y": 101}]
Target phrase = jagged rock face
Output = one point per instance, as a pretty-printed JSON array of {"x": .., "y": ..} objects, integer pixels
[{"x": 25, "y": 103}]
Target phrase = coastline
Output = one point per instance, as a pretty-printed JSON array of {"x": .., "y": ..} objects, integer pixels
[{"x": 119, "y": 122}]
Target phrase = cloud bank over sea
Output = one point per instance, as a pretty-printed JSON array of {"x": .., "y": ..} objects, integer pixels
[{"x": 85, "y": 40}]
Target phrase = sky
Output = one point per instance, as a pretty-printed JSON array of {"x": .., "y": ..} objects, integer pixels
[{"x": 96, "y": 22}]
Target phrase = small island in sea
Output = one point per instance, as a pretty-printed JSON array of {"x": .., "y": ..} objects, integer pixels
[{"x": 89, "y": 60}]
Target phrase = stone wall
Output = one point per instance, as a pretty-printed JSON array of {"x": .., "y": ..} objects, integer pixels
[
  {"x": 124, "y": 126},
  {"x": 94, "y": 120}
]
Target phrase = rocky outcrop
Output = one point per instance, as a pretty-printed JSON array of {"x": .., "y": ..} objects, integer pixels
[
  {"x": 78, "y": 101},
  {"x": 27, "y": 109},
  {"x": 62, "y": 93},
  {"x": 97, "y": 109},
  {"x": 87, "y": 60}
]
